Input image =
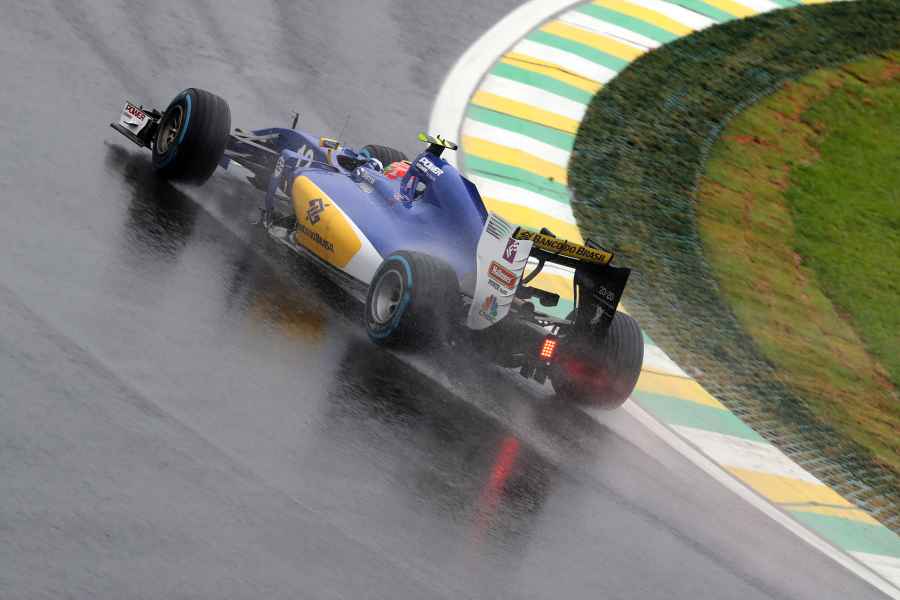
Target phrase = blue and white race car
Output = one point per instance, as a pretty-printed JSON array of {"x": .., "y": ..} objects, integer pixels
[{"x": 434, "y": 265}]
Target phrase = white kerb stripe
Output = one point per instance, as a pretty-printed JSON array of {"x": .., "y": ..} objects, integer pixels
[
  {"x": 579, "y": 19},
  {"x": 505, "y": 137},
  {"x": 565, "y": 60},
  {"x": 886, "y": 566},
  {"x": 759, "y": 6},
  {"x": 511, "y": 194},
  {"x": 656, "y": 360},
  {"x": 533, "y": 96},
  {"x": 684, "y": 16},
  {"x": 731, "y": 451}
]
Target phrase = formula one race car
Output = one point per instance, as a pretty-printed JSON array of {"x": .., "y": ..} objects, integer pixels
[{"x": 435, "y": 266}]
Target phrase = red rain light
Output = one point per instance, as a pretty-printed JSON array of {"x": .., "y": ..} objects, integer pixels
[{"x": 548, "y": 348}]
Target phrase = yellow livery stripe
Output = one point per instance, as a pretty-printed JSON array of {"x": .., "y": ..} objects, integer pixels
[
  {"x": 594, "y": 40},
  {"x": 524, "y": 111},
  {"x": 646, "y": 15},
  {"x": 514, "y": 158},
  {"x": 679, "y": 387},
  {"x": 529, "y": 63}
]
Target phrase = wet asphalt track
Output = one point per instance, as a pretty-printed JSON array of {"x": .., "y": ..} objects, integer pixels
[{"x": 188, "y": 412}]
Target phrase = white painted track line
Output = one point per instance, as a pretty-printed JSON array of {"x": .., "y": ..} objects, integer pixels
[{"x": 887, "y": 566}]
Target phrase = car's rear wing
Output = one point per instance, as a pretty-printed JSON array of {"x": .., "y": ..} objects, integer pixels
[
  {"x": 597, "y": 285},
  {"x": 558, "y": 248},
  {"x": 502, "y": 257}
]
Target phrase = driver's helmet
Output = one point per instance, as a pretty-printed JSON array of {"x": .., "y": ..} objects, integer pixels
[{"x": 397, "y": 170}]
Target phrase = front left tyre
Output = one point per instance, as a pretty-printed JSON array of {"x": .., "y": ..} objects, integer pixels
[
  {"x": 191, "y": 137},
  {"x": 411, "y": 301}
]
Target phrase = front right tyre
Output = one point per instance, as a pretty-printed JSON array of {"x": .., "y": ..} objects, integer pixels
[{"x": 191, "y": 137}]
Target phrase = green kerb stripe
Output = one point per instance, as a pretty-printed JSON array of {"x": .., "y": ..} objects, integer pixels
[
  {"x": 698, "y": 6},
  {"x": 592, "y": 54},
  {"x": 548, "y": 135},
  {"x": 543, "y": 82},
  {"x": 675, "y": 411},
  {"x": 850, "y": 535},
  {"x": 518, "y": 177},
  {"x": 636, "y": 25},
  {"x": 786, "y": 3}
]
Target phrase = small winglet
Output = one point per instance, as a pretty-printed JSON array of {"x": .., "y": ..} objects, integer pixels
[{"x": 437, "y": 143}]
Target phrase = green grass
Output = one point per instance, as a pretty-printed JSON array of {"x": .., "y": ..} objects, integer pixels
[{"x": 799, "y": 213}]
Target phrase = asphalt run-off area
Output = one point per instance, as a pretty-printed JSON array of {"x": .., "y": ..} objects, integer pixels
[{"x": 191, "y": 411}]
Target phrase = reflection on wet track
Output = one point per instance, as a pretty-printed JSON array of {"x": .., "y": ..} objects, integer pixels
[{"x": 189, "y": 410}]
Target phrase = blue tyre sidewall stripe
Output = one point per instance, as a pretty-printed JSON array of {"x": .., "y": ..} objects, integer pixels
[
  {"x": 184, "y": 126},
  {"x": 187, "y": 119},
  {"x": 404, "y": 302}
]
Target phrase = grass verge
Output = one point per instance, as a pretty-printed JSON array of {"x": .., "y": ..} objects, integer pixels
[
  {"x": 639, "y": 153},
  {"x": 799, "y": 213}
]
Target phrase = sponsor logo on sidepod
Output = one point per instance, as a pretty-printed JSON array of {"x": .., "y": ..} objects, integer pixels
[
  {"x": 502, "y": 275},
  {"x": 316, "y": 208},
  {"x": 489, "y": 308},
  {"x": 509, "y": 253}
]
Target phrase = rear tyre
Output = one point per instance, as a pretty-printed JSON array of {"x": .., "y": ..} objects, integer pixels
[
  {"x": 412, "y": 300},
  {"x": 384, "y": 154},
  {"x": 192, "y": 136},
  {"x": 600, "y": 372}
]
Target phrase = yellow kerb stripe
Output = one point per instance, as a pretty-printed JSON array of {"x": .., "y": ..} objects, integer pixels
[
  {"x": 646, "y": 15},
  {"x": 524, "y": 111},
  {"x": 672, "y": 385},
  {"x": 514, "y": 158},
  {"x": 785, "y": 490},
  {"x": 532, "y": 219},
  {"x": 529, "y": 63},
  {"x": 733, "y": 8},
  {"x": 594, "y": 40},
  {"x": 853, "y": 514}
]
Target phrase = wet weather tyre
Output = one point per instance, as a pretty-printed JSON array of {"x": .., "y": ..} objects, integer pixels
[
  {"x": 411, "y": 301},
  {"x": 600, "y": 372},
  {"x": 191, "y": 137},
  {"x": 384, "y": 154}
]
